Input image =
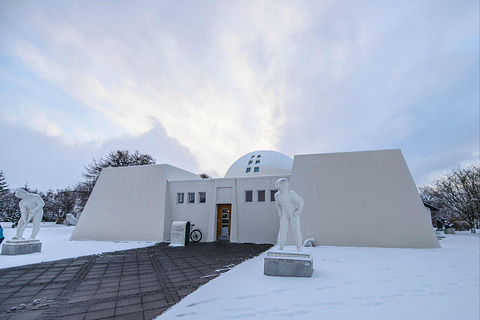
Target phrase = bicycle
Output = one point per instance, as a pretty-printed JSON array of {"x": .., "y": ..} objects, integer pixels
[{"x": 195, "y": 234}]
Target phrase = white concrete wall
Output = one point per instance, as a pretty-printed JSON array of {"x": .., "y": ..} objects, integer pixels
[
  {"x": 351, "y": 199},
  {"x": 361, "y": 199},
  {"x": 256, "y": 222},
  {"x": 197, "y": 213},
  {"x": 129, "y": 204}
]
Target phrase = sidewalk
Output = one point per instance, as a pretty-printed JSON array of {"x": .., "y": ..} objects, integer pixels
[{"x": 132, "y": 284}]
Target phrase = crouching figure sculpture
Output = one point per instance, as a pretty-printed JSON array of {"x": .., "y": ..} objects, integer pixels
[{"x": 31, "y": 209}]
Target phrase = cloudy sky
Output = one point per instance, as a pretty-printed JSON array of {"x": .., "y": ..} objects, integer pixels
[{"x": 198, "y": 84}]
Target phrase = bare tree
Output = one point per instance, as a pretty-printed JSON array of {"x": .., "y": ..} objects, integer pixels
[
  {"x": 458, "y": 193},
  {"x": 3, "y": 185},
  {"x": 9, "y": 210},
  {"x": 119, "y": 158}
]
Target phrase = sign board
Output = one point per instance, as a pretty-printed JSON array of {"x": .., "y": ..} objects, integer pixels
[{"x": 180, "y": 233}]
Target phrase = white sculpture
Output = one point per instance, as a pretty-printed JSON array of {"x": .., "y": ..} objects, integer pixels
[
  {"x": 31, "y": 208},
  {"x": 72, "y": 219},
  {"x": 78, "y": 209},
  {"x": 289, "y": 205}
]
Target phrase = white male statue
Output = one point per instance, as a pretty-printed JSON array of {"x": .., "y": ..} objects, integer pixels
[
  {"x": 31, "y": 208},
  {"x": 289, "y": 205}
]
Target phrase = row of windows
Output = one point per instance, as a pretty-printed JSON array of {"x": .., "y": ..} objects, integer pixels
[
  {"x": 202, "y": 197},
  {"x": 256, "y": 169},
  {"x": 260, "y": 195}
]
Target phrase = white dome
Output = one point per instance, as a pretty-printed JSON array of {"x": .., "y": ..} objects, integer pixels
[{"x": 260, "y": 163}]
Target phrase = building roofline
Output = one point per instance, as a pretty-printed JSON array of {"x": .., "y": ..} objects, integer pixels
[
  {"x": 230, "y": 178},
  {"x": 431, "y": 207}
]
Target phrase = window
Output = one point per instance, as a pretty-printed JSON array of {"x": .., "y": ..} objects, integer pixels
[
  {"x": 252, "y": 157},
  {"x": 250, "y": 162},
  {"x": 256, "y": 169},
  {"x": 257, "y": 162},
  {"x": 248, "y": 170},
  {"x": 180, "y": 197},
  {"x": 272, "y": 195},
  {"x": 202, "y": 196},
  {"x": 261, "y": 195},
  {"x": 259, "y": 156},
  {"x": 191, "y": 197},
  {"x": 248, "y": 196}
]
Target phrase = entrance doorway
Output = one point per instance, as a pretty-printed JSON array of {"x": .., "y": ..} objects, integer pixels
[{"x": 224, "y": 218}]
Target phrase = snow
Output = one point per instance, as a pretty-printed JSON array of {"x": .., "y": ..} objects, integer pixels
[
  {"x": 347, "y": 282},
  {"x": 56, "y": 245},
  {"x": 350, "y": 283}
]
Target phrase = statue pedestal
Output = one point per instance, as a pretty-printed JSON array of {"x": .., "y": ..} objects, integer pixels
[
  {"x": 288, "y": 262},
  {"x": 16, "y": 247}
]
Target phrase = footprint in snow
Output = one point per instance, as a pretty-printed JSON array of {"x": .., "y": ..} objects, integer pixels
[
  {"x": 250, "y": 296},
  {"x": 200, "y": 302}
]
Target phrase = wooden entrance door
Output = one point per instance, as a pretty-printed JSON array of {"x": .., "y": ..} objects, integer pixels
[{"x": 224, "y": 218}]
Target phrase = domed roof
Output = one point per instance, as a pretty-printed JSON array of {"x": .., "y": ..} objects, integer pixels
[{"x": 260, "y": 163}]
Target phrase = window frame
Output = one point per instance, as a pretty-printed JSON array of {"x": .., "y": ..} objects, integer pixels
[
  {"x": 247, "y": 192},
  {"x": 272, "y": 194},
  {"x": 182, "y": 197},
  {"x": 200, "y": 197},
  {"x": 258, "y": 195},
  {"x": 193, "y": 195}
]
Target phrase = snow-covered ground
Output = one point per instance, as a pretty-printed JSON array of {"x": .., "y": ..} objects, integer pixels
[
  {"x": 350, "y": 283},
  {"x": 347, "y": 283},
  {"x": 56, "y": 245}
]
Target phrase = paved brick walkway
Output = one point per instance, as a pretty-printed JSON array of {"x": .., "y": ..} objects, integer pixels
[{"x": 132, "y": 284}]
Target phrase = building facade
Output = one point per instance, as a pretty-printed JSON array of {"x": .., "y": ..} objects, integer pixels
[{"x": 351, "y": 199}]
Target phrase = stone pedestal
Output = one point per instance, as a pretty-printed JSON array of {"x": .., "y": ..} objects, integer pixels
[
  {"x": 16, "y": 247},
  {"x": 288, "y": 262}
]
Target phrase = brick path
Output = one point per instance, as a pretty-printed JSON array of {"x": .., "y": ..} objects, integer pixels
[{"x": 132, "y": 284}]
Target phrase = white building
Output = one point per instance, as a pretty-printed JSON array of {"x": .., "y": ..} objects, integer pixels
[{"x": 351, "y": 199}]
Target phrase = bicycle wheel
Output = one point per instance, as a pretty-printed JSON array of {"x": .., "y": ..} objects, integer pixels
[{"x": 196, "y": 235}]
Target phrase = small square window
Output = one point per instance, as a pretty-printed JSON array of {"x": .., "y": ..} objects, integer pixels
[
  {"x": 180, "y": 197},
  {"x": 250, "y": 162},
  {"x": 191, "y": 197},
  {"x": 257, "y": 162},
  {"x": 261, "y": 195},
  {"x": 202, "y": 197},
  {"x": 248, "y": 170},
  {"x": 248, "y": 196},
  {"x": 256, "y": 169},
  {"x": 259, "y": 156},
  {"x": 272, "y": 195},
  {"x": 252, "y": 157}
]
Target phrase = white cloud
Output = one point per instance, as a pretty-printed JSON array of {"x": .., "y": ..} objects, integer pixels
[
  {"x": 229, "y": 78},
  {"x": 216, "y": 113}
]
